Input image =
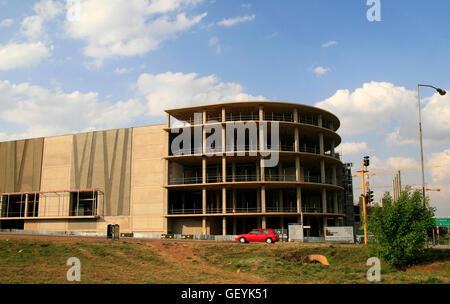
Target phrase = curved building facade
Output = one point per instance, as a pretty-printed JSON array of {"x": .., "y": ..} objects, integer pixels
[
  {"x": 226, "y": 187},
  {"x": 218, "y": 169}
]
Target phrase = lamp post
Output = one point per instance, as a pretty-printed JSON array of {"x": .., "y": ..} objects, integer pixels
[{"x": 442, "y": 93}]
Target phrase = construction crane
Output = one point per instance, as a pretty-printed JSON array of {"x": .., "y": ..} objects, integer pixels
[{"x": 389, "y": 171}]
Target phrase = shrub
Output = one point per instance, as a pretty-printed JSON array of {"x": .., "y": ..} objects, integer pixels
[{"x": 400, "y": 229}]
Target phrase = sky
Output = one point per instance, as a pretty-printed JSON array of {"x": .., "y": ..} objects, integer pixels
[{"x": 74, "y": 66}]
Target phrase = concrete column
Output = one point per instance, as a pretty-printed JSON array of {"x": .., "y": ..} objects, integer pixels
[
  {"x": 322, "y": 171},
  {"x": 332, "y": 147},
  {"x": 224, "y": 150},
  {"x": 297, "y": 168},
  {"x": 334, "y": 177},
  {"x": 224, "y": 225},
  {"x": 295, "y": 115},
  {"x": 223, "y": 115},
  {"x": 203, "y": 200},
  {"x": 26, "y": 206},
  {"x": 204, "y": 225},
  {"x": 204, "y": 132},
  {"x": 296, "y": 142},
  {"x": 261, "y": 112},
  {"x": 263, "y": 199},
  {"x": 263, "y": 222},
  {"x": 319, "y": 120},
  {"x": 204, "y": 169},
  {"x": 224, "y": 169},
  {"x": 234, "y": 201},
  {"x": 224, "y": 200},
  {"x": 335, "y": 202},
  {"x": 324, "y": 200},
  {"x": 234, "y": 225},
  {"x": 321, "y": 145},
  {"x": 299, "y": 199},
  {"x": 262, "y": 177},
  {"x": 168, "y": 120},
  {"x": 258, "y": 172}
]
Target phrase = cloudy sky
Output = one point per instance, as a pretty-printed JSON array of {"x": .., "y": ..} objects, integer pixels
[{"x": 117, "y": 63}]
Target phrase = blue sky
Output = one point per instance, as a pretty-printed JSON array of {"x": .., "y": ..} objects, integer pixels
[{"x": 123, "y": 62}]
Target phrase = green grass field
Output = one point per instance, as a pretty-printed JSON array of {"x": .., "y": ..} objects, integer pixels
[{"x": 43, "y": 260}]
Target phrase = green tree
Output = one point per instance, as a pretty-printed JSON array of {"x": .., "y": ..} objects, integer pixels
[{"x": 400, "y": 229}]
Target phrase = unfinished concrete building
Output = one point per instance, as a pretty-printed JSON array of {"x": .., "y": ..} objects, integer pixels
[{"x": 144, "y": 180}]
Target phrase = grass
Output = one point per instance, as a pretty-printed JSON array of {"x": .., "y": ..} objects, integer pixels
[{"x": 43, "y": 260}]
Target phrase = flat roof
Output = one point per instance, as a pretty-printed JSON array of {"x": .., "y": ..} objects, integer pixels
[{"x": 185, "y": 113}]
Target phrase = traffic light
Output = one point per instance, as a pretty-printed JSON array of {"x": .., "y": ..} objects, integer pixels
[
  {"x": 366, "y": 161},
  {"x": 369, "y": 196}
]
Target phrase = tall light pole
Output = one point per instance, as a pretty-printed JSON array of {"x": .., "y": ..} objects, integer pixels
[{"x": 442, "y": 93}]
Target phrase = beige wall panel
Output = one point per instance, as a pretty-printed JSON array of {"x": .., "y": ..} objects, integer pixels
[
  {"x": 52, "y": 225},
  {"x": 82, "y": 225},
  {"x": 55, "y": 177},
  {"x": 185, "y": 226},
  {"x": 30, "y": 225},
  {"x": 56, "y": 163},
  {"x": 102, "y": 160},
  {"x": 20, "y": 165},
  {"x": 148, "y": 172},
  {"x": 122, "y": 221},
  {"x": 148, "y": 195}
]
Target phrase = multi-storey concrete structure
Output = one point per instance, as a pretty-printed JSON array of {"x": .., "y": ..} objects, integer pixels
[{"x": 143, "y": 180}]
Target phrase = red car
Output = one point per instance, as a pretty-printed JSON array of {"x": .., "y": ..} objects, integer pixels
[{"x": 258, "y": 235}]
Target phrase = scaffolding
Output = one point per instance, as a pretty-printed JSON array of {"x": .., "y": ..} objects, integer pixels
[{"x": 52, "y": 204}]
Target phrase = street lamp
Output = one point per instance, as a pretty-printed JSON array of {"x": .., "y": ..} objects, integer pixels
[{"x": 442, "y": 93}]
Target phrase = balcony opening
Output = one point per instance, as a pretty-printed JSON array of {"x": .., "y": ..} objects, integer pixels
[{"x": 83, "y": 203}]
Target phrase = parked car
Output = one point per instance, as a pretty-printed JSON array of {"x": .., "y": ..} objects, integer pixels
[{"x": 258, "y": 235}]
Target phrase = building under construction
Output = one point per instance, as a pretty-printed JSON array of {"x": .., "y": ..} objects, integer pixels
[{"x": 135, "y": 177}]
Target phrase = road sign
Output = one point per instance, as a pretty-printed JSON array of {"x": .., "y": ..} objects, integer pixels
[{"x": 442, "y": 222}]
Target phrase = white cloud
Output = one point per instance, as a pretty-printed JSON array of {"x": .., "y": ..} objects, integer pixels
[
  {"x": 375, "y": 105},
  {"x": 352, "y": 147},
  {"x": 320, "y": 71},
  {"x": 40, "y": 112},
  {"x": 33, "y": 26},
  {"x": 401, "y": 162},
  {"x": 214, "y": 42},
  {"x": 22, "y": 55},
  {"x": 329, "y": 43},
  {"x": 37, "y": 111},
  {"x": 233, "y": 21},
  {"x": 440, "y": 180},
  {"x": 172, "y": 90},
  {"x": 6, "y": 22},
  {"x": 129, "y": 27},
  {"x": 441, "y": 174}
]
